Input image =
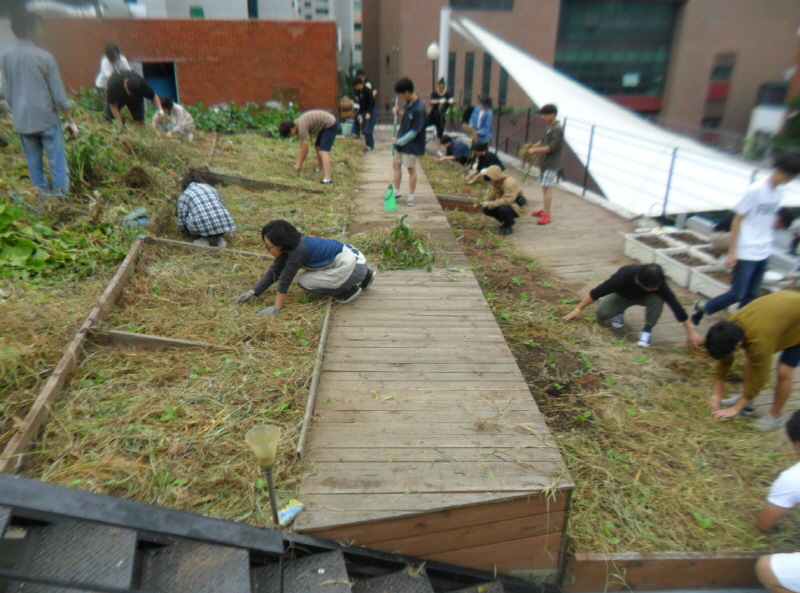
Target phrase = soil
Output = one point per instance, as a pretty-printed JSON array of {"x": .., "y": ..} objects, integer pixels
[
  {"x": 721, "y": 275},
  {"x": 654, "y": 242},
  {"x": 687, "y": 259},
  {"x": 715, "y": 253},
  {"x": 137, "y": 178},
  {"x": 689, "y": 238}
]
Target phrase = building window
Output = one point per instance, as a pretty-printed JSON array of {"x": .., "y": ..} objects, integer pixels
[
  {"x": 307, "y": 4},
  {"x": 451, "y": 72},
  {"x": 322, "y": 11},
  {"x": 486, "y": 79},
  {"x": 469, "y": 67},
  {"x": 357, "y": 27},
  {"x": 357, "y": 47},
  {"x": 616, "y": 47},
  {"x": 482, "y": 4},
  {"x": 308, "y": 17},
  {"x": 197, "y": 12},
  {"x": 711, "y": 123},
  {"x": 502, "y": 96},
  {"x": 356, "y": 5},
  {"x": 252, "y": 9}
]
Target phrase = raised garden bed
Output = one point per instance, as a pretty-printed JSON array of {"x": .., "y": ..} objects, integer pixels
[
  {"x": 678, "y": 263},
  {"x": 717, "y": 253},
  {"x": 710, "y": 281},
  {"x": 689, "y": 238},
  {"x": 643, "y": 247}
]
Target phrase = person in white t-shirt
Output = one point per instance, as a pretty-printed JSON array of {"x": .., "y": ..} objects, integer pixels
[
  {"x": 780, "y": 573},
  {"x": 111, "y": 62},
  {"x": 752, "y": 233}
]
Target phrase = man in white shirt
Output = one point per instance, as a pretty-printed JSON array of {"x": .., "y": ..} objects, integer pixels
[
  {"x": 752, "y": 233},
  {"x": 780, "y": 573}
]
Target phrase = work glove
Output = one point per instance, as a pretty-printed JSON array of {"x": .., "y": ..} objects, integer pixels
[
  {"x": 73, "y": 129},
  {"x": 244, "y": 297},
  {"x": 160, "y": 113},
  {"x": 267, "y": 311}
]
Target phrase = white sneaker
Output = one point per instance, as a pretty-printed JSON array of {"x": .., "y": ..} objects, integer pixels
[
  {"x": 644, "y": 339},
  {"x": 439, "y": 153},
  {"x": 222, "y": 243},
  {"x": 411, "y": 201},
  {"x": 618, "y": 321},
  {"x": 768, "y": 423},
  {"x": 190, "y": 137},
  {"x": 202, "y": 241}
]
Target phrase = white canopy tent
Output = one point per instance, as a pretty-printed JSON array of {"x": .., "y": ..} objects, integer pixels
[{"x": 635, "y": 162}]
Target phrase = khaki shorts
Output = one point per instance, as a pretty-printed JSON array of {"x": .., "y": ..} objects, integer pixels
[{"x": 409, "y": 161}]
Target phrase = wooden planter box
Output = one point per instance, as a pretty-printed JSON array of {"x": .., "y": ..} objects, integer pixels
[
  {"x": 705, "y": 284},
  {"x": 679, "y": 271},
  {"x": 635, "y": 249}
]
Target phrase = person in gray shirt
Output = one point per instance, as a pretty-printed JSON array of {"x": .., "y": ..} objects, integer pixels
[{"x": 35, "y": 93}]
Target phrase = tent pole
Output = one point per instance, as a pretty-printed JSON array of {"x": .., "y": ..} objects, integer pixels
[{"x": 669, "y": 184}]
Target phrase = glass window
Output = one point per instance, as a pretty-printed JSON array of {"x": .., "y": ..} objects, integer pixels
[
  {"x": 197, "y": 12},
  {"x": 322, "y": 11},
  {"x": 357, "y": 47},
  {"x": 469, "y": 67},
  {"x": 721, "y": 72},
  {"x": 356, "y": 5},
  {"x": 308, "y": 4},
  {"x": 451, "y": 72},
  {"x": 482, "y": 4},
  {"x": 252, "y": 9},
  {"x": 357, "y": 27},
  {"x": 503, "y": 94},
  {"x": 486, "y": 79},
  {"x": 711, "y": 123},
  {"x": 388, "y": 64}
]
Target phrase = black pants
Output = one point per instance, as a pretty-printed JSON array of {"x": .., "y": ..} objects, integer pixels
[{"x": 503, "y": 214}]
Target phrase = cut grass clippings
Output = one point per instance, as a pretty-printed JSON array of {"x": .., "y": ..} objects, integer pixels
[{"x": 653, "y": 471}]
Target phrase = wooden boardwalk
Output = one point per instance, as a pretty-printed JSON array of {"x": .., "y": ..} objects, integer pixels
[{"x": 426, "y": 438}]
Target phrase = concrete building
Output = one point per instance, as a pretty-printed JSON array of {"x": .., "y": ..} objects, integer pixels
[{"x": 691, "y": 64}]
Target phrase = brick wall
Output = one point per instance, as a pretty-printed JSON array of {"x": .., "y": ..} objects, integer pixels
[{"x": 215, "y": 61}]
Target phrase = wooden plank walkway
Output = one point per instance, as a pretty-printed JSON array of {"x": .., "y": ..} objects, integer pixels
[{"x": 422, "y": 411}]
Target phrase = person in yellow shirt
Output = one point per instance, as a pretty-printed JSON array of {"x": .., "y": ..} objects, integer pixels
[{"x": 765, "y": 326}]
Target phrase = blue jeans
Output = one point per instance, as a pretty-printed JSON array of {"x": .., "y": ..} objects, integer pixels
[
  {"x": 747, "y": 277},
  {"x": 369, "y": 127},
  {"x": 50, "y": 141}
]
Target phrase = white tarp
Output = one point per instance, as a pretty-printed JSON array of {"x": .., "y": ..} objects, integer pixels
[{"x": 630, "y": 156}]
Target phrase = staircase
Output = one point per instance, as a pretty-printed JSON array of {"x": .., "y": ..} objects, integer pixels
[{"x": 61, "y": 540}]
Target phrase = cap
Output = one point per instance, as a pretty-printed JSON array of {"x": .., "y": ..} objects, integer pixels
[{"x": 549, "y": 108}]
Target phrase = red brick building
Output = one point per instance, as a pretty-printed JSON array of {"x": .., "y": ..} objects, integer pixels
[{"x": 213, "y": 61}]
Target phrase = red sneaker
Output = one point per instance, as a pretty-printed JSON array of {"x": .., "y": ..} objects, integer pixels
[
  {"x": 538, "y": 213},
  {"x": 544, "y": 219}
]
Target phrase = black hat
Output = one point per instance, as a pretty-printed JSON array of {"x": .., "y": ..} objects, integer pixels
[{"x": 549, "y": 108}]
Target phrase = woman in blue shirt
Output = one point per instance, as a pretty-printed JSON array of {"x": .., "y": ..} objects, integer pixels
[
  {"x": 331, "y": 267},
  {"x": 481, "y": 120}
]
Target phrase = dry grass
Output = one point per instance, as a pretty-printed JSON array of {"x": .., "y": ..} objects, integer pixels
[
  {"x": 653, "y": 471},
  {"x": 448, "y": 179}
]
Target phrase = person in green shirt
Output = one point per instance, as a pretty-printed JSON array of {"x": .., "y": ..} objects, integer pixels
[{"x": 765, "y": 326}]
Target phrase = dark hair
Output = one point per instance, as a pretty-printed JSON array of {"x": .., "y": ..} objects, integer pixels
[
  {"x": 193, "y": 176},
  {"x": 788, "y": 163},
  {"x": 480, "y": 147},
  {"x": 285, "y": 128},
  {"x": 722, "y": 339},
  {"x": 785, "y": 218},
  {"x": 486, "y": 102},
  {"x": 112, "y": 53},
  {"x": 281, "y": 234},
  {"x": 361, "y": 72},
  {"x": 442, "y": 81},
  {"x": 650, "y": 275},
  {"x": 793, "y": 427},
  {"x": 549, "y": 108},
  {"x": 23, "y": 22},
  {"x": 357, "y": 81},
  {"x": 446, "y": 139},
  {"x": 404, "y": 85},
  {"x": 166, "y": 103}
]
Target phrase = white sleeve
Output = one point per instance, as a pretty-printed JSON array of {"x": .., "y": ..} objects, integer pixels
[
  {"x": 747, "y": 203},
  {"x": 785, "y": 491},
  {"x": 123, "y": 64}
]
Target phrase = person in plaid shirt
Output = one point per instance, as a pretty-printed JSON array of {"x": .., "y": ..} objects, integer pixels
[{"x": 201, "y": 213}]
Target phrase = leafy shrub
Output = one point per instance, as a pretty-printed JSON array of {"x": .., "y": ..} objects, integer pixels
[
  {"x": 233, "y": 118},
  {"x": 400, "y": 247}
]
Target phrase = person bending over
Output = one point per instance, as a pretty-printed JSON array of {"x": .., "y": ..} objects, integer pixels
[
  {"x": 455, "y": 150},
  {"x": 128, "y": 89},
  {"x": 483, "y": 160},
  {"x": 780, "y": 573},
  {"x": 201, "y": 214},
  {"x": 767, "y": 325},
  {"x": 182, "y": 123},
  {"x": 317, "y": 122},
  {"x": 642, "y": 285},
  {"x": 331, "y": 268},
  {"x": 505, "y": 202}
]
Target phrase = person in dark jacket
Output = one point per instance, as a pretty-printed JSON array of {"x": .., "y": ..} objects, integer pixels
[
  {"x": 455, "y": 150},
  {"x": 128, "y": 89},
  {"x": 367, "y": 111},
  {"x": 482, "y": 159},
  {"x": 642, "y": 285},
  {"x": 331, "y": 268}
]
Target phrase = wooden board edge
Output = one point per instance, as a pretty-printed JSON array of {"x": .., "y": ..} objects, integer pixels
[
  {"x": 146, "y": 341},
  {"x": 202, "y": 248},
  {"x": 312, "y": 389},
  {"x": 253, "y": 184},
  {"x": 13, "y": 454}
]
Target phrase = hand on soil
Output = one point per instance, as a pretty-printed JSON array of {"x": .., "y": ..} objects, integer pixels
[
  {"x": 267, "y": 311},
  {"x": 296, "y": 167},
  {"x": 713, "y": 402},
  {"x": 726, "y": 413},
  {"x": 571, "y": 315},
  {"x": 244, "y": 297},
  {"x": 695, "y": 340}
]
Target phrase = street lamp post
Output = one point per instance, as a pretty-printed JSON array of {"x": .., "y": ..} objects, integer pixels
[{"x": 433, "y": 55}]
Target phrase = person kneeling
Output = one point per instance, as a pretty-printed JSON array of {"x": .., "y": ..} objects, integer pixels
[
  {"x": 506, "y": 202},
  {"x": 331, "y": 268},
  {"x": 642, "y": 285},
  {"x": 182, "y": 123},
  {"x": 201, "y": 214}
]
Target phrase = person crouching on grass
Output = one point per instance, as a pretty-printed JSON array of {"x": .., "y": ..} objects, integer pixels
[
  {"x": 201, "y": 214},
  {"x": 642, "y": 285},
  {"x": 331, "y": 268},
  {"x": 317, "y": 122},
  {"x": 505, "y": 202},
  {"x": 182, "y": 123},
  {"x": 763, "y": 327}
]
